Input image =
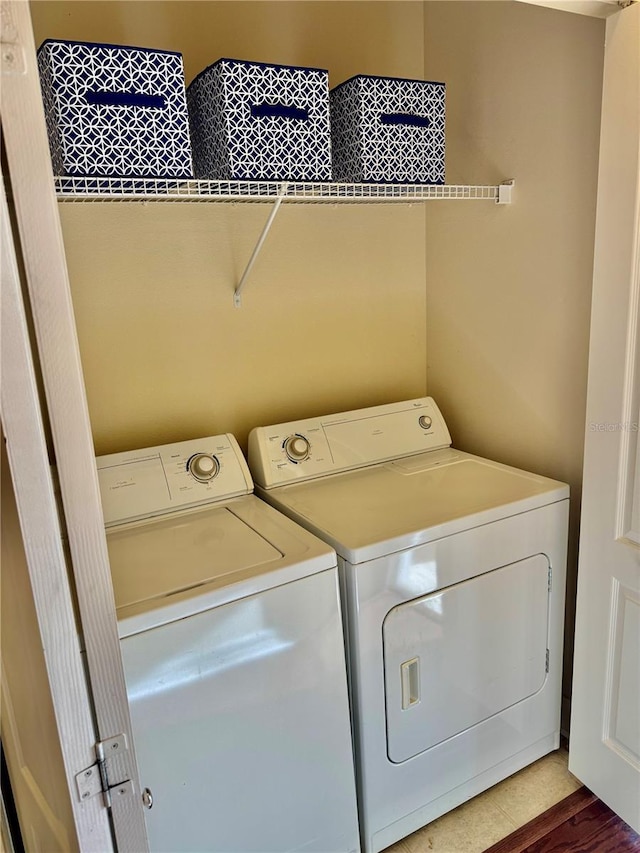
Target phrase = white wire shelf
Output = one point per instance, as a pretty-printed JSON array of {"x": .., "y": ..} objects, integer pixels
[
  {"x": 170, "y": 190},
  {"x": 164, "y": 190}
]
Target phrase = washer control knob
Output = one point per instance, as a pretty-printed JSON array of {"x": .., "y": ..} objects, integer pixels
[
  {"x": 203, "y": 466},
  {"x": 297, "y": 448},
  {"x": 425, "y": 421}
]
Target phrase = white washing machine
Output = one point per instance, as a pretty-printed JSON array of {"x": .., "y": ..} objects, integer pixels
[
  {"x": 231, "y": 636},
  {"x": 452, "y": 572}
]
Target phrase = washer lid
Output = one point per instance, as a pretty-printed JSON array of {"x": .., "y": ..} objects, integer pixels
[
  {"x": 170, "y": 567},
  {"x": 374, "y": 511}
]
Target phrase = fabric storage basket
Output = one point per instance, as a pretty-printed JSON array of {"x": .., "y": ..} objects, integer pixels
[
  {"x": 388, "y": 130},
  {"x": 256, "y": 121},
  {"x": 115, "y": 111}
]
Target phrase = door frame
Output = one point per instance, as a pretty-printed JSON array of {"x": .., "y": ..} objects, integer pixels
[{"x": 40, "y": 243}]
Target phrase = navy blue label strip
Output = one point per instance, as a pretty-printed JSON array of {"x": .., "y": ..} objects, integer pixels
[
  {"x": 405, "y": 118},
  {"x": 126, "y": 99},
  {"x": 278, "y": 111}
]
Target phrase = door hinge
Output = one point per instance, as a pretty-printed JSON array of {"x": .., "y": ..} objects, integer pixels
[
  {"x": 95, "y": 779},
  {"x": 546, "y": 664}
]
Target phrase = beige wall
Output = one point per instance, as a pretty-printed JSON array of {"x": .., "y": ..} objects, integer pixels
[
  {"x": 333, "y": 316},
  {"x": 509, "y": 288}
]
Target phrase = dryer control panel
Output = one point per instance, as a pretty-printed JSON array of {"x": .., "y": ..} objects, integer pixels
[
  {"x": 152, "y": 481},
  {"x": 302, "y": 450}
]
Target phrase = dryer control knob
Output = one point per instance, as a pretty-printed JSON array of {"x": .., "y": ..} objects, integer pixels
[
  {"x": 203, "y": 467},
  {"x": 297, "y": 448},
  {"x": 425, "y": 421}
]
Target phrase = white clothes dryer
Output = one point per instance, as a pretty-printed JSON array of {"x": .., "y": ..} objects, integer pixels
[
  {"x": 452, "y": 571},
  {"x": 231, "y": 637}
]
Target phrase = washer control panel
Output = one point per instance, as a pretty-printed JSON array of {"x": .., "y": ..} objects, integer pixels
[
  {"x": 156, "y": 480},
  {"x": 287, "y": 453}
]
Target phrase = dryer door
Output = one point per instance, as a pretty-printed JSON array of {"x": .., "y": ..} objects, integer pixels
[{"x": 464, "y": 653}]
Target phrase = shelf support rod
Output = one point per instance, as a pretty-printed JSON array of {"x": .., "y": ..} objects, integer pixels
[{"x": 237, "y": 300}]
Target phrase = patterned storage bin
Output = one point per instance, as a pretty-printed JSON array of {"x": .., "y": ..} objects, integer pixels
[
  {"x": 115, "y": 111},
  {"x": 388, "y": 130},
  {"x": 253, "y": 121}
]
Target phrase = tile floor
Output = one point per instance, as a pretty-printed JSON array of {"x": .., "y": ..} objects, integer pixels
[{"x": 476, "y": 825}]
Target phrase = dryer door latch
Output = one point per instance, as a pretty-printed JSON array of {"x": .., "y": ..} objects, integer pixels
[
  {"x": 410, "y": 682},
  {"x": 95, "y": 779}
]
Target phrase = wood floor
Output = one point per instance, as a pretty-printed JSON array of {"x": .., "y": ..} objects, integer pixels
[{"x": 581, "y": 823}]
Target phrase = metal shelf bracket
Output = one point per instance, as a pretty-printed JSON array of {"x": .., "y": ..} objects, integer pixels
[{"x": 237, "y": 299}]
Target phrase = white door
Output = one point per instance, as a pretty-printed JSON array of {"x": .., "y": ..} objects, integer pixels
[{"x": 605, "y": 723}]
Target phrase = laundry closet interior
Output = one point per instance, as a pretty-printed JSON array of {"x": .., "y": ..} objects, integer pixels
[{"x": 484, "y": 307}]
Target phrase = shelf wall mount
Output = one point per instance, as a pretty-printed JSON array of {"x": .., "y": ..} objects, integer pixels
[{"x": 505, "y": 190}]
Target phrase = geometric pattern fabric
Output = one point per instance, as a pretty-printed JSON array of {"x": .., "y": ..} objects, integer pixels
[
  {"x": 115, "y": 111},
  {"x": 258, "y": 121},
  {"x": 388, "y": 130}
]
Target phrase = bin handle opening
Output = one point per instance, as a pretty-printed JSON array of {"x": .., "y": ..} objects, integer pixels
[
  {"x": 125, "y": 99},
  {"x": 278, "y": 111},
  {"x": 409, "y": 119}
]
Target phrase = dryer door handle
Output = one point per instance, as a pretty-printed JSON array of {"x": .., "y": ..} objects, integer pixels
[{"x": 410, "y": 680}]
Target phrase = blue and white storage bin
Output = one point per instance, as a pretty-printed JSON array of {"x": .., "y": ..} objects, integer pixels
[
  {"x": 256, "y": 121},
  {"x": 388, "y": 130},
  {"x": 115, "y": 111}
]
